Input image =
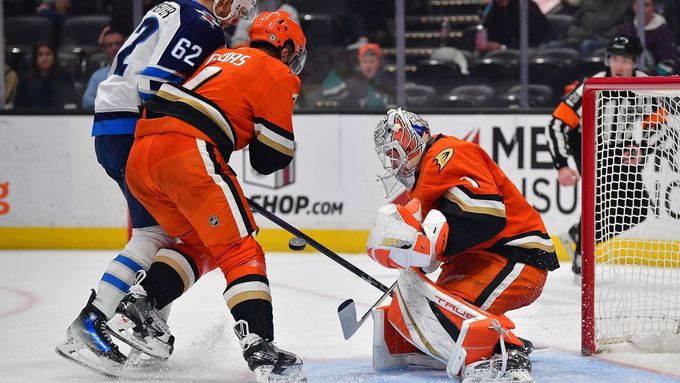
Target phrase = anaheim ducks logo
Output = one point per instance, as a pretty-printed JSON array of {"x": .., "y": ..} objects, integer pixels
[{"x": 443, "y": 158}]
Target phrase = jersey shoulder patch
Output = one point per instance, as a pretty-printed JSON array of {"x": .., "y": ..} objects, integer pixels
[{"x": 442, "y": 158}]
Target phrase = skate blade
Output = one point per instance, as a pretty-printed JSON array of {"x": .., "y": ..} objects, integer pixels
[
  {"x": 123, "y": 328},
  {"x": 141, "y": 360},
  {"x": 81, "y": 355},
  {"x": 293, "y": 375}
]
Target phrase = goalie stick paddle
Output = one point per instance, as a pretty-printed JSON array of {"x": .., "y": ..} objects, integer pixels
[
  {"x": 321, "y": 248},
  {"x": 347, "y": 313}
]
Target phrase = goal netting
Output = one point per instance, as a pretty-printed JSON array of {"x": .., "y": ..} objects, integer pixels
[{"x": 631, "y": 212}]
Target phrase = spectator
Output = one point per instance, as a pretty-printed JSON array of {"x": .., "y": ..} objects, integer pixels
[
  {"x": 240, "y": 37},
  {"x": 659, "y": 40},
  {"x": 595, "y": 23},
  {"x": 46, "y": 87},
  {"x": 371, "y": 88},
  {"x": 501, "y": 25},
  {"x": 11, "y": 83},
  {"x": 110, "y": 40},
  {"x": 671, "y": 11},
  {"x": 55, "y": 10}
]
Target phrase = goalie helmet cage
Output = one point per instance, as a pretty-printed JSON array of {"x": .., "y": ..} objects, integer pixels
[{"x": 631, "y": 271}]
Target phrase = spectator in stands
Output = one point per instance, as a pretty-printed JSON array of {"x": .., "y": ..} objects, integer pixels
[
  {"x": 240, "y": 37},
  {"x": 671, "y": 11},
  {"x": 372, "y": 87},
  {"x": 110, "y": 40},
  {"x": 501, "y": 25},
  {"x": 659, "y": 41},
  {"x": 46, "y": 87},
  {"x": 55, "y": 10},
  {"x": 11, "y": 83},
  {"x": 595, "y": 23}
]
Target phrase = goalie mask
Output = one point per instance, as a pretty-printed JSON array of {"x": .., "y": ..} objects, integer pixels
[{"x": 400, "y": 143}]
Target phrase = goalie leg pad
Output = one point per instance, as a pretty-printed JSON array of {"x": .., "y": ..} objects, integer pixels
[
  {"x": 392, "y": 351},
  {"x": 441, "y": 325}
]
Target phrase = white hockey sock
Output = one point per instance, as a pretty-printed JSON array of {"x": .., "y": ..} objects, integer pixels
[{"x": 120, "y": 274}]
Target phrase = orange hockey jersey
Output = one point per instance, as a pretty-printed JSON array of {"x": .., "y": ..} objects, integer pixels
[
  {"x": 483, "y": 208},
  {"x": 236, "y": 98}
]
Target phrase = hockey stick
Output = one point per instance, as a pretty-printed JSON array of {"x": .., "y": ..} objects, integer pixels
[
  {"x": 347, "y": 312},
  {"x": 321, "y": 248}
]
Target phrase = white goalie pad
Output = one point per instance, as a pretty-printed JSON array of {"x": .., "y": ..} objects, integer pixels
[{"x": 415, "y": 292}]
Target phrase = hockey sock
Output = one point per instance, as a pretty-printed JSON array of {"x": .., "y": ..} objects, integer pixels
[
  {"x": 172, "y": 272},
  {"x": 249, "y": 299},
  {"x": 120, "y": 273}
]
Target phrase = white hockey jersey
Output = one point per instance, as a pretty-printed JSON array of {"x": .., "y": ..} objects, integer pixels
[{"x": 171, "y": 42}]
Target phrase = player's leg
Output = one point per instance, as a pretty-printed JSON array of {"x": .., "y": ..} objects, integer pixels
[
  {"x": 139, "y": 320},
  {"x": 205, "y": 191},
  {"x": 89, "y": 329},
  {"x": 448, "y": 329},
  {"x": 242, "y": 261}
]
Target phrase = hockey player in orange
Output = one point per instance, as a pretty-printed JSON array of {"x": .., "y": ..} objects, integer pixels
[
  {"x": 178, "y": 169},
  {"x": 494, "y": 250}
]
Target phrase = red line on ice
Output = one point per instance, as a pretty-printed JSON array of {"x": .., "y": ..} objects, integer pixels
[{"x": 29, "y": 300}]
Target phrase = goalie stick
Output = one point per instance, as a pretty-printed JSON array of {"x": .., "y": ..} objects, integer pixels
[
  {"x": 347, "y": 313},
  {"x": 321, "y": 248}
]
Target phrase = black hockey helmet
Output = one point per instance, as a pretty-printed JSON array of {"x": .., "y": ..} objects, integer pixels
[{"x": 625, "y": 45}]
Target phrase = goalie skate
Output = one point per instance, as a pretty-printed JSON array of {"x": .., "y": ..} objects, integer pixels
[
  {"x": 138, "y": 323},
  {"x": 268, "y": 362},
  {"x": 90, "y": 345},
  {"x": 517, "y": 369}
]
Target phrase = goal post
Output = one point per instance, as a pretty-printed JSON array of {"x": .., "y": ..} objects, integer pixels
[{"x": 630, "y": 210}]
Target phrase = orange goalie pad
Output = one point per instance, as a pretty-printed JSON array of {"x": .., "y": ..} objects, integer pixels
[{"x": 453, "y": 314}]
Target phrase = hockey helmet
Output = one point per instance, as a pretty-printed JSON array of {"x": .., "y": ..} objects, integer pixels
[
  {"x": 277, "y": 28},
  {"x": 239, "y": 9},
  {"x": 400, "y": 143},
  {"x": 625, "y": 45}
]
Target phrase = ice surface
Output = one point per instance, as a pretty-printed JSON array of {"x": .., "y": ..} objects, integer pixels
[{"x": 41, "y": 292}]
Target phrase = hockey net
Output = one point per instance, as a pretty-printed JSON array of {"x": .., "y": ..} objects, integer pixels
[{"x": 631, "y": 213}]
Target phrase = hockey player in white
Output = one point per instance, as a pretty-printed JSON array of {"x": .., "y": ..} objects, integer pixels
[{"x": 170, "y": 42}]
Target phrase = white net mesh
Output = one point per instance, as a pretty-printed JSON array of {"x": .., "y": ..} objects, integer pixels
[{"x": 637, "y": 214}]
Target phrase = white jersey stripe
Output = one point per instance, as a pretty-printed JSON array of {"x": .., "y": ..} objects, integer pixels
[
  {"x": 504, "y": 285},
  {"x": 231, "y": 199}
]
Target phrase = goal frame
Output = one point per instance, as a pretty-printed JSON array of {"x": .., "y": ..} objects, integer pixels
[{"x": 590, "y": 90}]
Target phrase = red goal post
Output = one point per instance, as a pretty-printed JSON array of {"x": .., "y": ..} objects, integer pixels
[{"x": 629, "y": 126}]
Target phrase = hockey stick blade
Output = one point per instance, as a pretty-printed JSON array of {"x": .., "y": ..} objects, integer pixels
[{"x": 347, "y": 313}]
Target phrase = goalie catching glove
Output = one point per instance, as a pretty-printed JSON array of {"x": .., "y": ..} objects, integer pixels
[{"x": 399, "y": 240}]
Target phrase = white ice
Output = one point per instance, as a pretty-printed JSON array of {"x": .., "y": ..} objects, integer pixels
[{"x": 41, "y": 292}]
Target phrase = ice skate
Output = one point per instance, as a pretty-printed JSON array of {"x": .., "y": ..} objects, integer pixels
[
  {"x": 89, "y": 343},
  {"x": 517, "y": 369},
  {"x": 138, "y": 323},
  {"x": 268, "y": 362}
]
